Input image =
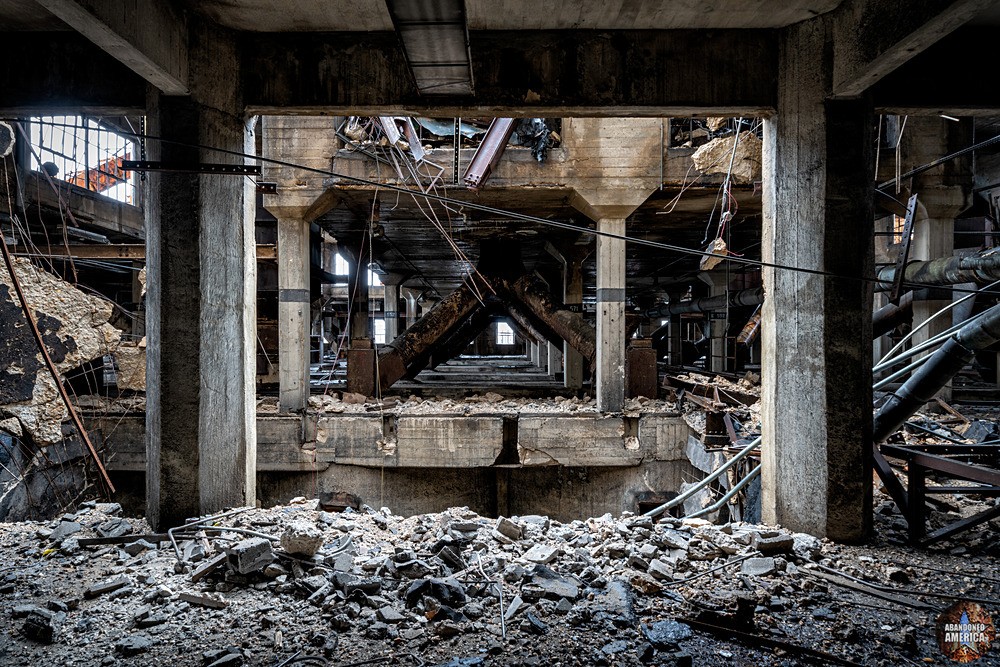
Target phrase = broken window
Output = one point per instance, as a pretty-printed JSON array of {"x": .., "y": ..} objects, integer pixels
[
  {"x": 86, "y": 152},
  {"x": 379, "y": 331},
  {"x": 505, "y": 335}
]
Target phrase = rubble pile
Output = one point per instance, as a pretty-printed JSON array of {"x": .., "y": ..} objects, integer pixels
[
  {"x": 296, "y": 583},
  {"x": 488, "y": 403}
]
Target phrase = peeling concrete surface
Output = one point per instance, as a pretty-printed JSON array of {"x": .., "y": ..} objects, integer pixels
[
  {"x": 75, "y": 328},
  {"x": 131, "y": 361}
]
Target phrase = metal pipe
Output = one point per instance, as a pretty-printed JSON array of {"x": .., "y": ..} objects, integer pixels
[
  {"x": 952, "y": 357},
  {"x": 920, "y": 326},
  {"x": 981, "y": 268},
  {"x": 891, "y": 315},
  {"x": 747, "y": 297},
  {"x": 729, "y": 496},
  {"x": 655, "y": 512}
]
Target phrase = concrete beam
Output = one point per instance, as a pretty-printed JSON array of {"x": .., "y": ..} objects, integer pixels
[
  {"x": 816, "y": 331},
  {"x": 872, "y": 38},
  {"x": 53, "y": 73},
  {"x": 265, "y": 251},
  {"x": 941, "y": 81},
  {"x": 543, "y": 73},
  {"x": 148, "y": 37}
]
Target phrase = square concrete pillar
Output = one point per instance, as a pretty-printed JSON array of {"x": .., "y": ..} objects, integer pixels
[
  {"x": 543, "y": 355},
  {"x": 201, "y": 299},
  {"x": 293, "y": 313},
  {"x": 390, "y": 311},
  {"x": 816, "y": 330},
  {"x": 611, "y": 316},
  {"x": 555, "y": 359}
]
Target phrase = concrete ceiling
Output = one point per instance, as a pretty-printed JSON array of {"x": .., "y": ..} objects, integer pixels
[
  {"x": 372, "y": 15},
  {"x": 27, "y": 15}
]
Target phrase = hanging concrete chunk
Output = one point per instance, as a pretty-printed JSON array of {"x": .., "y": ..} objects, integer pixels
[{"x": 75, "y": 328}]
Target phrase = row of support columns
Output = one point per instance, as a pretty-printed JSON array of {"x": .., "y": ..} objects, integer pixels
[{"x": 816, "y": 331}]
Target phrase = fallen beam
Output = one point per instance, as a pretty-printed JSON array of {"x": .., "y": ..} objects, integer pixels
[
  {"x": 409, "y": 353},
  {"x": 534, "y": 295}
]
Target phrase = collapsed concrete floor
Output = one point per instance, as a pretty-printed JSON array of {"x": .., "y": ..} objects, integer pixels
[{"x": 312, "y": 587}]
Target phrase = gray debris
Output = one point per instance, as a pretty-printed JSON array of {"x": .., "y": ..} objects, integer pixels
[
  {"x": 666, "y": 634},
  {"x": 758, "y": 567}
]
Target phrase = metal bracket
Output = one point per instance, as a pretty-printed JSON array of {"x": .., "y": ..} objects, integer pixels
[
  {"x": 267, "y": 187},
  {"x": 904, "y": 253},
  {"x": 199, "y": 168}
]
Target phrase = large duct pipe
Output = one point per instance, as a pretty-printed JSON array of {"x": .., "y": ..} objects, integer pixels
[
  {"x": 980, "y": 269},
  {"x": 747, "y": 297},
  {"x": 949, "y": 359}
]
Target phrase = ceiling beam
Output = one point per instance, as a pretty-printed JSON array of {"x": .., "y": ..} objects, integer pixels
[
  {"x": 132, "y": 251},
  {"x": 872, "y": 38},
  {"x": 520, "y": 73},
  {"x": 147, "y": 36},
  {"x": 50, "y": 73},
  {"x": 943, "y": 79}
]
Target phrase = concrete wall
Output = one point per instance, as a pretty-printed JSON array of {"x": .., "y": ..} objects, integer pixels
[{"x": 566, "y": 466}]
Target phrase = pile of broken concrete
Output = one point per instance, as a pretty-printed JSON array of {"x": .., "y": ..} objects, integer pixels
[{"x": 259, "y": 586}]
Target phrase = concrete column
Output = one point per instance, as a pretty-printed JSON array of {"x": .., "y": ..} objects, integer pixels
[
  {"x": 293, "y": 313},
  {"x": 816, "y": 330},
  {"x": 357, "y": 285},
  {"x": 555, "y": 359},
  {"x": 716, "y": 325},
  {"x": 941, "y": 197},
  {"x": 611, "y": 316},
  {"x": 543, "y": 355},
  {"x": 201, "y": 298},
  {"x": 390, "y": 312},
  {"x": 533, "y": 352},
  {"x": 573, "y": 298},
  {"x": 411, "y": 305}
]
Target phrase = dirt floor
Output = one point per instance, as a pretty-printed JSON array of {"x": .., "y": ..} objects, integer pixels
[{"x": 459, "y": 589}]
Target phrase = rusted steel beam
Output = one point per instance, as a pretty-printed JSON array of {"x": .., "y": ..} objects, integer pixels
[
  {"x": 982, "y": 268},
  {"x": 489, "y": 152},
  {"x": 538, "y": 304},
  {"x": 462, "y": 336},
  {"x": 409, "y": 353}
]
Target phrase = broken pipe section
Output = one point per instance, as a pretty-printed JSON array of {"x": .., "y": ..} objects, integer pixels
[{"x": 949, "y": 359}]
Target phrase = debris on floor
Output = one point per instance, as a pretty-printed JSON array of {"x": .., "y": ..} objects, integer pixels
[{"x": 298, "y": 585}]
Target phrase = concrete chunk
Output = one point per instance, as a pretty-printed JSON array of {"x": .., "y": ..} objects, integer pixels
[
  {"x": 758, "y": 567},
  {"x": 250, "y": 555},
  {"x": 107, "y": 586},
  {"x": 302, "y": 538},
  {"x": 542, "y": 553}
]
